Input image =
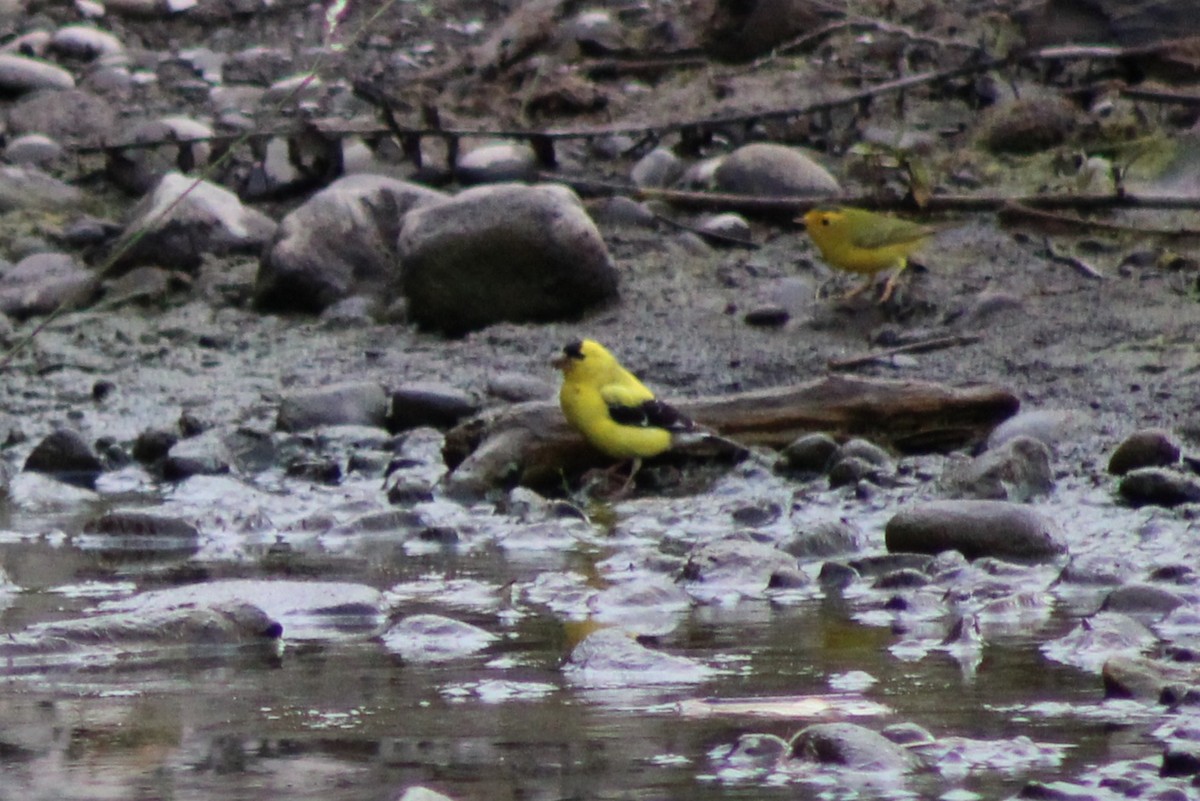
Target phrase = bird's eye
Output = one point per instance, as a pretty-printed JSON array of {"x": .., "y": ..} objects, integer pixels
[{"x": 824, "y": 221}]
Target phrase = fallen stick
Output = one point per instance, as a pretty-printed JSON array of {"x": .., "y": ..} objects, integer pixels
[{"x": 924, "y": 346}]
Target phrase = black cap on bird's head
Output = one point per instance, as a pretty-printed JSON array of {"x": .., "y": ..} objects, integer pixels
[{"x": 572, "y": 352}]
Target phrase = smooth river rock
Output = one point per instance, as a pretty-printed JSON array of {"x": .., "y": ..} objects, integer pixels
[
  {"x": 341, "y": 242},
  {"x": 503, "y": 252},
  {"x": 975, "y": 528}
]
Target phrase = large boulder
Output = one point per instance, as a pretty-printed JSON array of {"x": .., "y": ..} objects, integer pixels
[
  {"x": 183, "y": 219},
  {"x": 341, "y": 242},
  {"x": 503, "y": 252}
]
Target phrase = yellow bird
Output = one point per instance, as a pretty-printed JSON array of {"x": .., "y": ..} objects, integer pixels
[
  {"x": 613, "y": 410},
  {"x": 860, "y": 241}
]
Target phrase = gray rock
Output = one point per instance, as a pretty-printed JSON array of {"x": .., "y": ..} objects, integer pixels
[
  {"x": 131, "y": 523},
  {"x": 140, "y": 169},
  {"x": 610, "y": 658},
  {"x": 496, "y": 163},
  {"x": 1142, "y": 600},
  {"x": 40, "y": 283},
  {"x": 657, "y": 169},
  {"x": 32, "y": 149},
  {"x": 260, "y": 66},
  {"x": 808, "y": 454},
  {"x": 207, "y": 219},
  {"x": 1139, "y": 677},
  {"x": 422, "y": 794},
  {"x": 1029, "y": 124},
  {"x": 434, "y": 638},
  {"x": 867, "y": 451},
  {"x": 1156, "y": 486},
  {"x": 517, "y": 387},
  {"x": 851, "y": 746},
  {"x": 1051, "y": 426},
  {"x": 69, "y": 115},
  {"x": 728, "y": 226},
  {"x": 429, "y": 404},
  {"x": 84, "y": 42},
  {"x": 19, "y": 74},
  {"x": 734, "y": 564},
  {"x": 206, "y": 454},
  {"x": 975, "y": 528},
  {"x": 503, "y": 252},
  {"x": 341, "y": 242},
  {"x": 770, "y": 169},
  {"x": 65, "y": 455},
  {"x": 1150, "y": 447},
  {"x": 621, "y": 210},
  {"x": 824, "y": 539},
  {"x": 1016, "y": 471},
  {"x": 358, "y": 403},
  {"x": 153, "y": 444},
  {"x": 28, "y": 188}
]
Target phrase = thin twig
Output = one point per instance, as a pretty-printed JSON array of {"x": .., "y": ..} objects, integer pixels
[
  {"x": 1079, "y": 265},
  {"x": 923, "y": 346}
]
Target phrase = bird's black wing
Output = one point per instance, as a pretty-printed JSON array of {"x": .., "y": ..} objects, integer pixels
[{"x": 651, "y": 414}]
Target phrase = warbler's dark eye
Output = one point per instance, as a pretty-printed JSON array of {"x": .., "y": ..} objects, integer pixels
[
  {"x": 574, "y": 350},
  {"x": 824, "y": 221}
]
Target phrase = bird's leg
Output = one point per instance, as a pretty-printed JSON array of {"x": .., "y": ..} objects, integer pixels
[
  {"x": 890, "y": 286},
  {"x": 861, "y": 288},
  {"x": 633, "y": 468}
]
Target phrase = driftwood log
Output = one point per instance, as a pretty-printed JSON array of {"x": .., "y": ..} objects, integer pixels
[{"x": 531, "y": 444}]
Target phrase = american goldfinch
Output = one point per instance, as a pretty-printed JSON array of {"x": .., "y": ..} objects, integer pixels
[
  {"x": 613, "y": 410},
  {"x": 861, "y": 241}
]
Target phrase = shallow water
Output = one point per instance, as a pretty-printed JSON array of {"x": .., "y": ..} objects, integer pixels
[{"x": 332, "y": 713}]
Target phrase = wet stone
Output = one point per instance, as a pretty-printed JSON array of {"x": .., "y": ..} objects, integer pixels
[
  {"x": 756, "y": 515},
  {"x": 835, "y": 575},
  {"x": 824, "y": 539},
  {"x": 1147, "y": 679},
  {"x": 206, "y": 454},
  {"x": 1051, "y": 426},
  {"x": 1181, "y": 759},
  {"x": 1152, "y": 447},
  {"x": 124, "y": 522},
  {"x": 318, "y": 471},
  {"x": 851, "y": 470},
  {"x": 901, "y": 579},
  {"x": 875, "y": 566},
  {"x": 65, "y": 455},
  {"x": 362, "y": 403},
  {"x": 975, "y": 528},
  {"x": 1142, "y": 599},
  {"x": 429, "y": 404},
  {"x": 153, "y": 445},
  {"x": 1155, "y": 486},
  {"x": 1019, "y": 469},
  {"x": 849, "y": 745},
  {"x": 809, "y": 454}
]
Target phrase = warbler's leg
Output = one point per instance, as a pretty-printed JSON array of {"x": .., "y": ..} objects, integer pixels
[{"x": 890, "y": 286}]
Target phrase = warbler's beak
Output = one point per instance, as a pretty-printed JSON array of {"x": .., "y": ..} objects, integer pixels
[
  {"x": 561, "y": 362},
  {"x": 802, "y": 224}
]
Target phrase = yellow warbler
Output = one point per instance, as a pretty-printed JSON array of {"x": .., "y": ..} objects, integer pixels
[{"x": 860, "y": 241}]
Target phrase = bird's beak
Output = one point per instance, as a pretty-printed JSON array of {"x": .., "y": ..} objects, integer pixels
[
  {"x": 560, "y": 362},
  {"x": 800, "y": 221}
]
